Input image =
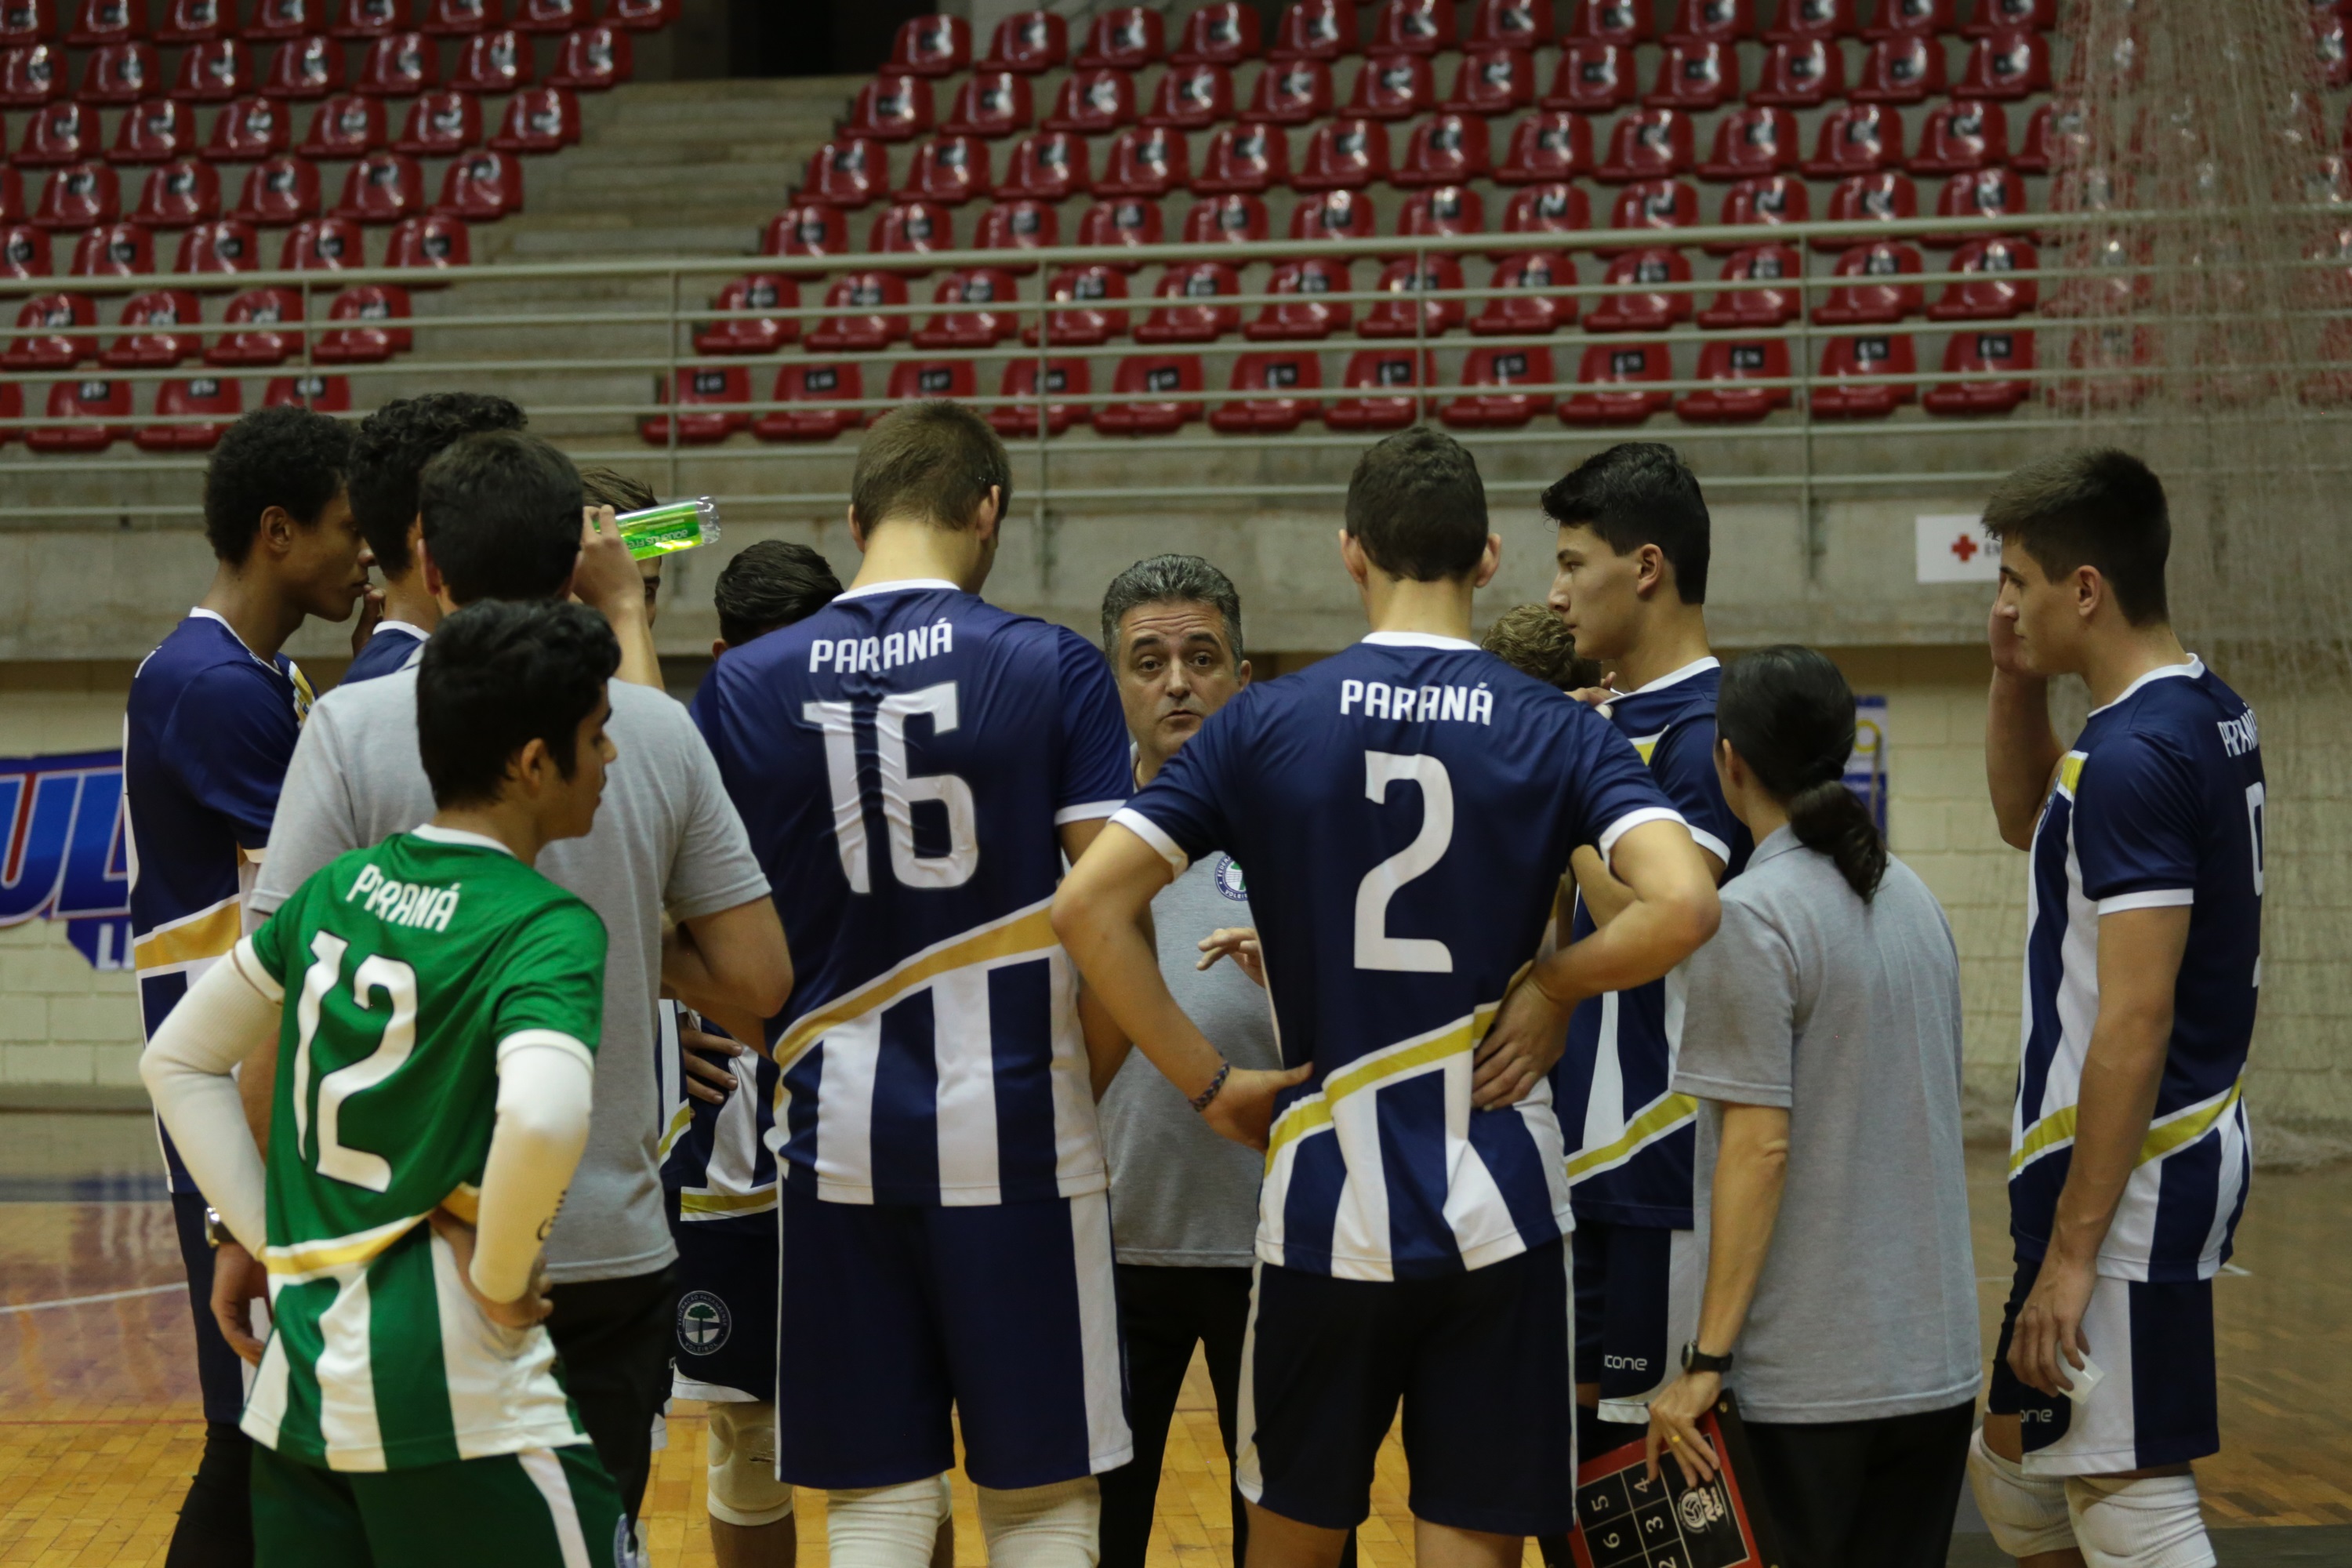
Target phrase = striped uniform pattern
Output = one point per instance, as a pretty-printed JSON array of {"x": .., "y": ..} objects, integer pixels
[
  {"x": 407, "y": 972},
  {"x": 1406, "y": 810},
  {"x": 716, "y": 1158},
  {"x": 2159, "y": 804}
]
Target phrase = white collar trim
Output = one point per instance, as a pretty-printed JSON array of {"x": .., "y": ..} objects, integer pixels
[
  {"x": 2191, "y": 671},
  {"x": 458, "y": 836},
  {"x": 1695, "y": 667},
  {"x": 904, "y": 585},
  {"x": 406, "y": 628},
  {"x": 201, "y": 613},
  {"x": 1417, "y": 639}
]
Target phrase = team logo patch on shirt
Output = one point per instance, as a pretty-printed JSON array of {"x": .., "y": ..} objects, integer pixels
[
  {"x": 1229, "y": 880},
  {"x": 703, "y": 1322}
]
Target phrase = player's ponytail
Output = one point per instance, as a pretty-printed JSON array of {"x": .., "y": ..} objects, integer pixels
[{"x": 1790, "y": 715}]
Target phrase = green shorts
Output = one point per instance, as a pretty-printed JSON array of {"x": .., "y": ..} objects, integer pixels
[{"x": 543, "y": 1508}]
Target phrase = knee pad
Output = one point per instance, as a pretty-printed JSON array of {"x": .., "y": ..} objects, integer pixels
[
  {"x": 1056, "y": 1526},
  {"x": 886, "y": 1527},
  {"x": 2027, "y": 1514},
  {"x": 744, "y": 1486},
  {"x": 2151, "y": 1522}
]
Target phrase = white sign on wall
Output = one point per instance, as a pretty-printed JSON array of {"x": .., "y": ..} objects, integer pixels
[{"x": 1954, "y": 549}]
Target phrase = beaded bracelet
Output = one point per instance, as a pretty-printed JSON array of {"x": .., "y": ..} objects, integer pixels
[{"x": 1201, "y": 1101}]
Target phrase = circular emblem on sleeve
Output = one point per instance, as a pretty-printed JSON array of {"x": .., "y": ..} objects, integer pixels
[
  {"x": 703, "y": 1322},
  {"x": 1229, "y": 880}
]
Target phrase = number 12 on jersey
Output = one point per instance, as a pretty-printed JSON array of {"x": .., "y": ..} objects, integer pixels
[{"x": 901, "y": 790}]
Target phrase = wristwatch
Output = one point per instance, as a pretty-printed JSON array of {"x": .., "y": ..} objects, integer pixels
[
  {"x": 1697, "y": 1359},
  {"x": 217, "y": 1235}
]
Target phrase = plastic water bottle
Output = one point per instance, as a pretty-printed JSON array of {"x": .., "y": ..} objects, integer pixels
[{"x": 666, "y": 530}]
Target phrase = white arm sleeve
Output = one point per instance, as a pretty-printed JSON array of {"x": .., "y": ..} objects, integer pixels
[
  {"x": 231, "y": 1012},
  {"x": 544, "y": 1083}
]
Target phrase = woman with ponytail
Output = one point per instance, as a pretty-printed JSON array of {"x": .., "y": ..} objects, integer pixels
[{"x": 1823, "y": 1039}]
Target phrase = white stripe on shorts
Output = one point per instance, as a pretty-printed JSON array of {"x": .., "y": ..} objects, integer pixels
[
  {"x": 1246, "y": 1473},
  {"x": 2103, "y": 1430},
  {"x": 546, "y": 1473},
  {"x": 1110, "y": 1441}
]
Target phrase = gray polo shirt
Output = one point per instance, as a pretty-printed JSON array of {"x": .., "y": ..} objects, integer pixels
[
  {"x": 666, "y": 837},
  {"x": 1848, "y": 1015},
  {"x": 1180, "y": 1194}
]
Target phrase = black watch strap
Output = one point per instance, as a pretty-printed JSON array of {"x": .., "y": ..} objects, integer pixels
[{"x": 1697, "y": 1359}]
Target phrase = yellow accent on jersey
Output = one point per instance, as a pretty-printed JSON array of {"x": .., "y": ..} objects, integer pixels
[
  {"x": 207, "y": 934},
  {"x": 1657, "y": 1119},
  {"x": 1307, "y": 1115},
  {"x": 2070, "y": 770},
  {"x": 2178, "y": 1130},
  {"x": 1019, "y": 934},
  {"x": 716, "y": 1205},
  {"x": 308, "y": 1259}
]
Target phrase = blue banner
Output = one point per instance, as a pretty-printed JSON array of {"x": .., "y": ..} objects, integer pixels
[{"x": 68, "y": 854}]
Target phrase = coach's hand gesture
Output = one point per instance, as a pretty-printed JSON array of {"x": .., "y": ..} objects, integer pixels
[{"x": 1239, "y": 943}]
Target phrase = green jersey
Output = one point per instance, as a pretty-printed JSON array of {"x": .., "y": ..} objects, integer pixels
[{"x": 407, "y": 972}]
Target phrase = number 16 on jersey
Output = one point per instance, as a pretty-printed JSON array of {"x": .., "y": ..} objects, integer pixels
[{"x": 901, "y": 790}]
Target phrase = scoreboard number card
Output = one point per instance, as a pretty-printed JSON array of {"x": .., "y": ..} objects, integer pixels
[{"x": 1625, "y": 1520}]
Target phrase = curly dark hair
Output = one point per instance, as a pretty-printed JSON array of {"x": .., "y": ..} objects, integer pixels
[
  {"x": 286, "y": 457},
  {"x": 394, "y": 443}
]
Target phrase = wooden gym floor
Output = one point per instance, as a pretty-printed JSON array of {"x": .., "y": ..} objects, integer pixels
[{"x": 99, "y": 1422}]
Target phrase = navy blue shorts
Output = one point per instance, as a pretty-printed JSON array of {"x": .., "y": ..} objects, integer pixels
[
  {"x": 2158, "y": 1401},
  {"x": 1481, "y": 1362},
  {"x": 894, "y": 1313},
  {"x": 1637, "y": 1292},
  {"x": 220, "y": 1375},
  {"x": 727, "y": 1306}
]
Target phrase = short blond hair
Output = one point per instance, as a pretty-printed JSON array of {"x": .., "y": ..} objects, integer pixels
[
  {"x": 1531, "y": 639},
  {"x": 935, "y": 460}
]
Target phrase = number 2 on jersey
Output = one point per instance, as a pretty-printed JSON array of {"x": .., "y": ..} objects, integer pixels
[
  {"x": 901, "y": 791},
  {"x": 397, "y": 981},
  {"x": 1375, "y": 948}
]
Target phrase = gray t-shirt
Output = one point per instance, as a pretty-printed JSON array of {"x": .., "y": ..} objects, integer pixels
[
  {"x": 1179, "y": 1195},
  {"x": 665, "y": 835},
  {"x": 1848, "y": 1015}
]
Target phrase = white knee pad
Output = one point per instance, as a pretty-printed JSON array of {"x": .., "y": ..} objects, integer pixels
[
  {"x": 886, "y": 1527},
  {"x": 2152, "y": 1522},
  {"x": 744, "y": 1486},
  {"x": 2027, "y": 1514},
  {"x": 1058, "y": 1526}
]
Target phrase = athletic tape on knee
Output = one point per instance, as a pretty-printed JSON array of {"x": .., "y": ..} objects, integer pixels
[
  {"x": 744, "y": 1486},
  {"x": 1058, "y": 1526},
  {"x": 886, "y": 1527},
  {"x": 2151, "y": 1522},
  {"x": 2027, "y": 1514}
]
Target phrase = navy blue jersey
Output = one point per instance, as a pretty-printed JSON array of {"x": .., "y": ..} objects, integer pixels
[
  {"x": 1406, "y": 809},
  {"x": 1633, "y": 1140},
  {"x": 903, "y": 760},
  {"x": 715, "y": 1158},
  {"x": 2159, "y": 804},
  {"x": 389, "y": 647},
  {"x": 206, "y": 736}
]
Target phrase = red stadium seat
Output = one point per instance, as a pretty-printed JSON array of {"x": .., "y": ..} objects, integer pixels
[
  {"x": 1979, "y": 354},
  {"x": 12, "y": 195},
  {"x": 642, "y": 15},
  {"x": 1522, "y": 24},
  {"x": 1593, "y": 77},
  {"x": 1023, "y": 225},
  {"x": 1961, "y": 136},
  {"x": 1445, "y": 150},
  {"x": 972, "y": 328},
  {"x": 1557, "y": 207},
  {"x": 2007, "y": 66},
  {"x": 911, "y": 229},
  {"x": 1148, "y": 380},
  {"x": 1336, "y": 215},
  {"x": 807, "y": 228},
  {"x": 1498, "y": 367},
  {"x": 383, "y": 187},
  {"x": 323, "y": 244},
  {"x": 27, "y": 22},
  {"x": 99, "y": 22},
  {"x": 892, "y": 108},
  {"x": 551, "y": 16},
  {"x": 1693, "y": 75},
  {"x": 181, "y": 191},
  {"x": 1644, "y": 303},
  {"x": 809, "y": 387},
  {"x": 260, "y": 319},
  {"x": 1301, "y": 315},
  {"x": 1289, "y": 375},
  {"x": 155, "y": 132},
  {"x": 1901, "y": 70},
  {"x": 1732, "y": 365},
  {"x": 950, "y": 170},
  {"x": 1193, "y": 97},
  {"x": 346, "y": 126},
  {"x": 279, "y": 19},
  {"x": 1316, "y": 30},
  {"x": 1802, "y": 74},
  {"x": 369, "y": 18},
  {"x": 441, "y": 124},
  {"x": 113, "y": 251},
  {"x": 1857, "y": 139},
  {"x": 1441, "y": 210},
  {"x": 1122, "y": 222},
  {"x": 215, "y": 72},
  {"x": 1548, "y": 145},
  {"x": 1911, "y": 20},
  {"x": 1128, "y": 38},
  {"x": 1244, "y": 160},
  {"x": 108, "y": 400},
  {"x": 1145, "y": 161},
  {"x": 1092, "y": 316},
  {"x": 373, "y": 341},
  {"x": 24, "y": 252},
  {"x": 1750, "y": 143},
  {"x": 932, "y": 46},
  {"x": 78, "y": 197},
  {"x": 1987, "y": 193},
  {"x": 912, "y": 381},
  {"x": 1873, "y": 304},
  {"x": 743, "y": 334},
  {"x": 1761, "y": 305},
  {"x": 1030, "y": 42},
  {"x": 1846, "y": 360},
  {"x": 993, "y": 103},
  {"x": 1393, "y": 86},
  {"x": 430, "y": 244},
  {"x": 1232, "y": 219},
  {"x": 216, "y": 400},
  {"x": 1655, "y": 203},
  {"x": 1887, "y": 196},
  {"x": 308, "y": 68},
  {"x": 1801, "y": 21},
  {"x": 121, "y": 73},
  {"x": 67, "y": 323},
  {"x": 58, "y": 134},
  {"x": 1713, "y": 21},
  {"x": 1647, "y": 144},
  {"x": 1990, "y": 294},
  {"x": 481, "y": 186},
  {"x": 320, "y": 393},
  {"x": 1048, "y": 166},
  {"x": 1611, "y": 22},
  {"x": 1526, "y": 303},
  {"x": 1344, "y": 154},
  {"x": 1388, "y": 367},
  {"x": 1494, "y": 79},
  {"x": 1291, "y": 94},
  {"x": 1767, "y": 199},
  {"x": 847, "y": 172},
  {"x": 1223, "y": 34},
  {"x": 1064, "y": 377},
  {"x": 597, "y": 58},
  {"x": 220, "y": 247},
  {"x": 249, "y": 130},
  {"x": 859, "y": 301},
  {"x": 497, "y": 61},
  {"x": 715, "y": 393},
  {"x": 1198, "y": 319},
  {"x": 1419, "y": 27},
  {"x": 2012, "y": 15},
  {"x": 539, "y": 120},
  {"x": 150, "y": 340},
  {"x": 1403, "y": 314},
  {"x": 2105, "y": 354},
  {"x": 1618, "y": 364},
  {"x": 31, "y": 75}
]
